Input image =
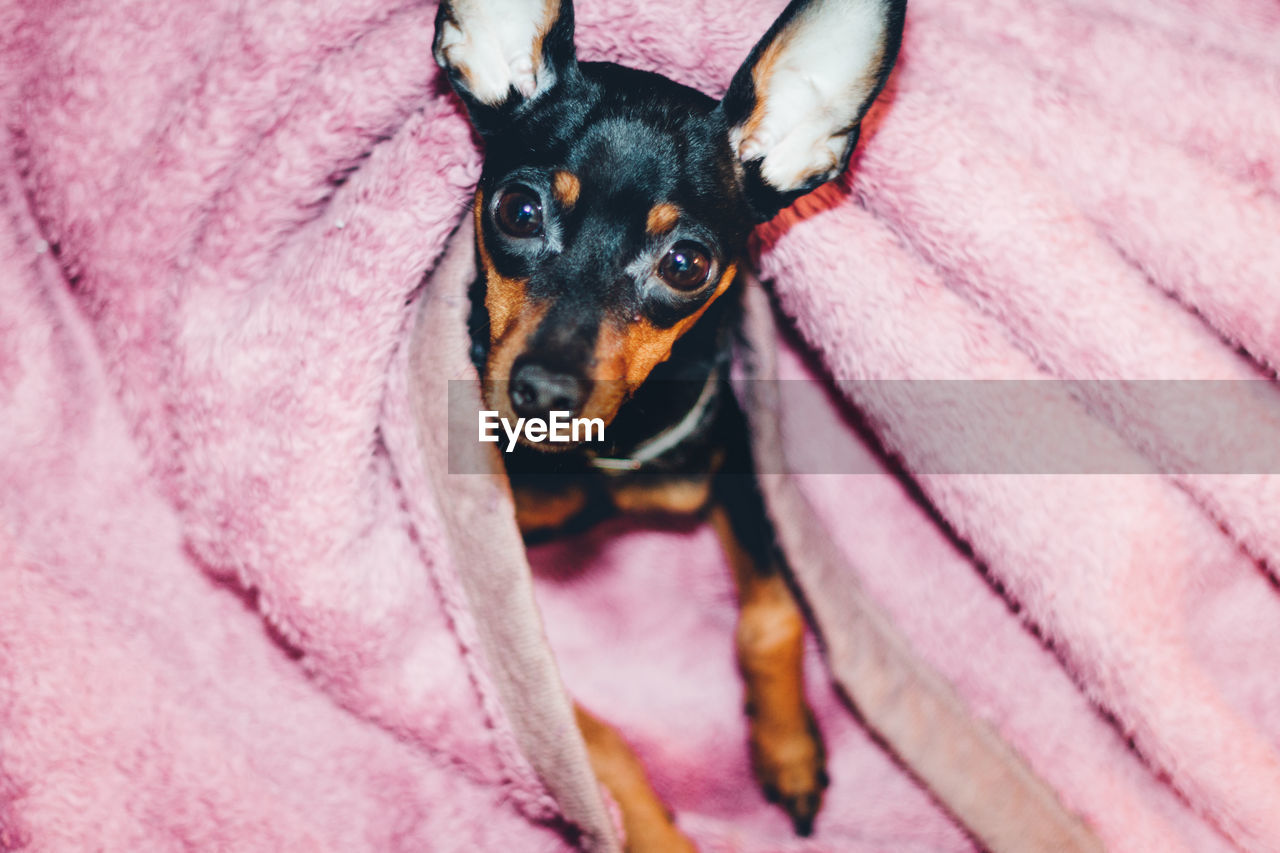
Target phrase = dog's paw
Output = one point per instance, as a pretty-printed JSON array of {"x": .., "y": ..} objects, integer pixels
[{"x": 789, "y": 762}]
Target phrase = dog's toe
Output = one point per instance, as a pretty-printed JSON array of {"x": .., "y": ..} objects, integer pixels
[
  {"x": 803, "y": 810},
  {"x": 790, "y": 766}
]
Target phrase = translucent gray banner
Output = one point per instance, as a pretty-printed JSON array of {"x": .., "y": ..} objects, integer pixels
[{"x": 970, "y": 427}]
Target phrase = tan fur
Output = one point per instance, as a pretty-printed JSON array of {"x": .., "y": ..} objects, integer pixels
[
  {"x": 550, "y": 11},
  {"x": 512, "y": 319},
  {"x": 566, "y": 187},
  {"x": 541, "y": 510},
  {"x": 645, "y": 819},
  {"x": 625, "y": 356},
  {"x": 662, "y": 218},
  {"x": 786, "y": 754},
  {"x": 652, "y": 493},
  {"x": 504, "y": 297}
]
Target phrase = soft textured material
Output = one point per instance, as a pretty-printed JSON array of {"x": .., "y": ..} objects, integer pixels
[{"x": 245, "y": 606}]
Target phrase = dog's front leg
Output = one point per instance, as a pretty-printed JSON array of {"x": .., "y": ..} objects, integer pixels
[
  {"x": 645, "y": 819},
  {"x": 647, "y": 822},
  {"x": 787, "y": 753}
]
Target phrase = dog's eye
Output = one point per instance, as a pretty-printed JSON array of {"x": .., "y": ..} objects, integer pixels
[
  {"x": 685, "y": 265},
  {"x": 519, "y": 213}
]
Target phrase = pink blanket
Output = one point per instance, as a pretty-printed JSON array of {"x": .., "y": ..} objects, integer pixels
[{"x": 244, "y": 605}]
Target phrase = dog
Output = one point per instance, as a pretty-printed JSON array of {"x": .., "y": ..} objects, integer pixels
[{"x": 612, "y": 216}]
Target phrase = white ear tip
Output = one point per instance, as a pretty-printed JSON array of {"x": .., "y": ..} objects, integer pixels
[{"x": 491, "y": 46}]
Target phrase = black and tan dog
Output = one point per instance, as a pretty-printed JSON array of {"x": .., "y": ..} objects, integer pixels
[{"x": 611, "y": 221}]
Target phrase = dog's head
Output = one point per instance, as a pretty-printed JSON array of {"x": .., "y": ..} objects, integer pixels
[{"x": 614, "y": 204}]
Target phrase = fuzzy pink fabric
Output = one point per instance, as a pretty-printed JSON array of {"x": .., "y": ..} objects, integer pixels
[{"x": 238, "y": 610}]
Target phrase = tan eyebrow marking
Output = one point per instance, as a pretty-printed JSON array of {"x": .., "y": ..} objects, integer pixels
[
  {"x": 565, "y": 186},
  {"x": 662, "y": 218}
]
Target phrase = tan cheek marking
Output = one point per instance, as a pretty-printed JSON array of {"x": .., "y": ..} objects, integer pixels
[
  {"x": 504, "y": 297},
  {"x": 503, "y": 353},
  {"x": 565, "y": 186},
  {"x": 512, "y": 319},
  {"x": 662, "y": 218},
  {"x": 625, "y": 357}
]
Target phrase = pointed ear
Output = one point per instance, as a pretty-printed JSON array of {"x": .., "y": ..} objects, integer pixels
[
  {"x": 503, "y": 55},
  {"x": 794, "y": 107}
]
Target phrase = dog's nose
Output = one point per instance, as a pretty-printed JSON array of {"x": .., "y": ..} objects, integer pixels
[{"x": 537, "y": 391}]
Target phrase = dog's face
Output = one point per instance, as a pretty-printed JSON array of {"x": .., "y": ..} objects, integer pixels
[
  {"x": 614, "y": 204},
  {"x": 608, "y": 220}
]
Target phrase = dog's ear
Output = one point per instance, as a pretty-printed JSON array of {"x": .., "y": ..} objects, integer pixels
[
  {"x": 503, "y": 55},
  {"x": 793, "y": 109}
]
